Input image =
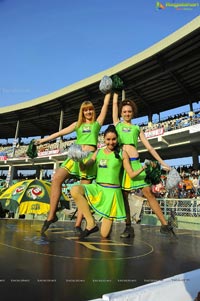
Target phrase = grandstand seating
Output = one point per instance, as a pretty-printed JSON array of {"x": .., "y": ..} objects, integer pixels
[
  {"x": 184, "y": 206},
  {"x": 167, "y": 125}
]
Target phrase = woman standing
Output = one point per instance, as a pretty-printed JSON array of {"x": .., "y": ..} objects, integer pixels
[
  {"x": 87, "y": 130},
  {"x": 128, "y": 138},
  {"x": 105, "y": 196}
]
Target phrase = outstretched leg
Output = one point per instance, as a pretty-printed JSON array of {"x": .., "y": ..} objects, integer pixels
[
  {"x": 56, "y": 189},
  {"x": 154, "y": 204},
  {"x": 80, "y": 216},
  {"x": 165, "y": 228},
  {"x": 128, "y": 231}
]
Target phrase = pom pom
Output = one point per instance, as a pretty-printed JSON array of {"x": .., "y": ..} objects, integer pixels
[
  {"x": 105, "y": 85},
  {"x": 76, "y": 153},
  {"x": 117, "y": 83},
  {"x": 32, "y": 150},
  {"x": 173, "y": 179},
  {"x": 153, "y": 172},
  {"x": 147, "y": 162}
]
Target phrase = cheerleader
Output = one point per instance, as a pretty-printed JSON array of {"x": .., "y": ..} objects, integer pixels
[
  {"x": 104, "y": 197},
  {"x": 87, "y": 129},
  {"x": 128, "y": 138}
]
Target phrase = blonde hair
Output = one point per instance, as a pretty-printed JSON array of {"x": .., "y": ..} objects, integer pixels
[
  {"x": 81, "y": 118},
  {"x": 130, "y": 103}
]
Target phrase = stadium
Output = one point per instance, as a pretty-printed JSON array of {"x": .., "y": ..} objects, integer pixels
[{"x": 163, "y": 77}]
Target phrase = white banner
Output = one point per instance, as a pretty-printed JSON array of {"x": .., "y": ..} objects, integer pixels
[
  {"x": 48, "y": 152},
  {"x": 154, "y": 133},
  {"x": 3, "y": 158}
]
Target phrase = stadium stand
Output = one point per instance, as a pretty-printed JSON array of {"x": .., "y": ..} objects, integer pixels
[{"x": 176, "y": 59}]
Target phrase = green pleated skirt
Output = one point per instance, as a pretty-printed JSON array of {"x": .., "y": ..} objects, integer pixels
[
  {"x": 105, "y": 200},
  {"x": 136, "y": 183},
  {"x": 73, "y": 169}
]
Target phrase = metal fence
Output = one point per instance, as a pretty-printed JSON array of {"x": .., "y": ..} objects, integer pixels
[
  {"x": 181, "y": 207},
  {"x": 181, "y": 213}
]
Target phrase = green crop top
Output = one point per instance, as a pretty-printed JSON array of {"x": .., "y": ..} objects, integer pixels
[
  {"x": 128, "y": 133},
  {"x": 108, "y": 168},
  {"x": 88, "y": 133}
]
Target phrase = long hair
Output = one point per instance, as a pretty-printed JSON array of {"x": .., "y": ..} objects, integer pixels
[
  {"x": 81, "y": 118},
  {"x": 111, "y": 129},
  {"x": 128, "y": 103}
]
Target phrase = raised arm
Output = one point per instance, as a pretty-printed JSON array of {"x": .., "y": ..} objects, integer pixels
[
  {"x": 104, "y": 109},
  {"x": 126, "y": 164},
  {"x": 62, "y": 132},
  {"x": 115, "y": 110},
  {"x": 152, "y": 151}
]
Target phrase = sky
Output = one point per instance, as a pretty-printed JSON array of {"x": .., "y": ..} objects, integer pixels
[{"x": 47, "y": 45}]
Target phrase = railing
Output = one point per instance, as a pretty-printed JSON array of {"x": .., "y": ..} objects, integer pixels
[
  {"x": 181, "y": 207},
  {"x": 181, "y": 213}
]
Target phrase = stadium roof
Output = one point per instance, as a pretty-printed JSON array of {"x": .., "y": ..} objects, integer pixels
[{"x": 163, "y": 77}]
